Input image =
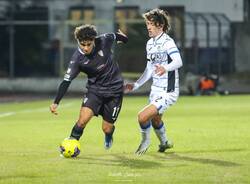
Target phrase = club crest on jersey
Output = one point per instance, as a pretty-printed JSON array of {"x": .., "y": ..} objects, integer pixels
[{"x": 101, "y": 53}]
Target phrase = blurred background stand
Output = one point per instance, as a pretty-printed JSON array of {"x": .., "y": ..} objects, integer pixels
[{"x": 37, "y": 39}]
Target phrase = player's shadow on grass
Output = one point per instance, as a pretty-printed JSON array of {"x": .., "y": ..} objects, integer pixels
[
  {"x": 212, "y": 151},
  {"x": 135, "y": 162},
  {"x": 216, "y": 162}
]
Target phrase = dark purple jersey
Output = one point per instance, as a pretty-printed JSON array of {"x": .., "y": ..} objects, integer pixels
[{"x": 104, "y": 76}]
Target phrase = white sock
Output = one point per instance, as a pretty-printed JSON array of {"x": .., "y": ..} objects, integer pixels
[
  {"x": 161, "y": 134},
  {"x": 145, "y": 133}
]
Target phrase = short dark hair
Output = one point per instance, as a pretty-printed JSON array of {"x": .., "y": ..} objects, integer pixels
[
  {"x": 85, "y": 32},
  {"x": 159, "y": 18}
]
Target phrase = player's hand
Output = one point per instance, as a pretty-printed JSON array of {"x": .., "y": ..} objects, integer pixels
[
  {"x": 121, "y": 33},
  {"x": 128, "y": 87},
  {"x": 53, "y": 108},
  {"x": 159, "y": 70}
]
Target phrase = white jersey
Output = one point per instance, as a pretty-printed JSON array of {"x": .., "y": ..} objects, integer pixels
[{"x": 162, "y": 50}]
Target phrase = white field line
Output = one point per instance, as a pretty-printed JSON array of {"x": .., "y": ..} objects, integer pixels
[
  {"x": 43, "y": 109},
  {"x": 6, "y": 114}
]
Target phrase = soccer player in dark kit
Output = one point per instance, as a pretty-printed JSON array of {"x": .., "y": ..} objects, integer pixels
[{"x": 105, "y": 83}]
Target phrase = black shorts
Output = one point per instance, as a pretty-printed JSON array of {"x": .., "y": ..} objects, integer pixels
[{"x": 107, "y": 107}]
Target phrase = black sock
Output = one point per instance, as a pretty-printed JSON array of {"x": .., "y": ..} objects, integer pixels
[{"x": 76, "y": 132}]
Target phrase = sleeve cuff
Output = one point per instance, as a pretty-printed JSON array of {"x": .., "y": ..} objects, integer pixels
[{"x": 136, "y": 86}]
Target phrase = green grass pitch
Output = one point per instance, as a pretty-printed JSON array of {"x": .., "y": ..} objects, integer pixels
[{"x": 211, "y": 138}]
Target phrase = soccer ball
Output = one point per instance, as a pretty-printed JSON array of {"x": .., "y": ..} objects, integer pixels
[{"x": 70, "y": 147}]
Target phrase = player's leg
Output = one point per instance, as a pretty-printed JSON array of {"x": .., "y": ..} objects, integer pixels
[
  {"x": 108, "y": 129},
  {"x": 90, "y": 107},
  {"x": 85, "y": 115},
  {"x": 163, "y": 103},
  {"x": 144, "y": 119},
  {"x": 110, "y": 111},
  {"x": 160, "y": 131}
]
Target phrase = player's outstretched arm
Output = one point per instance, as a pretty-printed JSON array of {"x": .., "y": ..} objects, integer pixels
[
  {"x": 147, "y": 74},
  {"x": 60, "y": 93}
]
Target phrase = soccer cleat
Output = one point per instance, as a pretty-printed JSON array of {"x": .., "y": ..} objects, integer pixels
[
  {"x": 143, "y": 147},
  {"x": 108, "y": 143},
  {"x": 167, "y": 145}
]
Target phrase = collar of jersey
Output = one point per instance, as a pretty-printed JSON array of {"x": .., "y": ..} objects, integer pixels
[
  {"x": 80, "y": 50},
  {"x": 158, "y": 37}
]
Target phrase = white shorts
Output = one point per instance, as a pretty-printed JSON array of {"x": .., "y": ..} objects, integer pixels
[{"x": 161, "y": 99}]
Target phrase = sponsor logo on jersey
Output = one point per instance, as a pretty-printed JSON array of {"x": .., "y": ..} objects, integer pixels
[{"x": 158, "y": 56}]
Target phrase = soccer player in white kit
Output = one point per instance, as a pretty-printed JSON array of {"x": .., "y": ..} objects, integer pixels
[{"x": 163, "y": 61}]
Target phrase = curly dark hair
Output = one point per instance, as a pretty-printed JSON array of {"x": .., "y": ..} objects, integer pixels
[
  {"x": 159, "y": 18},
  {"x": 85, "y": 32}
]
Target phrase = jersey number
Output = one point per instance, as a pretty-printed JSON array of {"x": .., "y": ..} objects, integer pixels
[{"x": 115, "y": 112}]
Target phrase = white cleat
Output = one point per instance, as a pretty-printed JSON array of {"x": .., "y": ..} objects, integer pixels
[{"x": 143, "y": 147}]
